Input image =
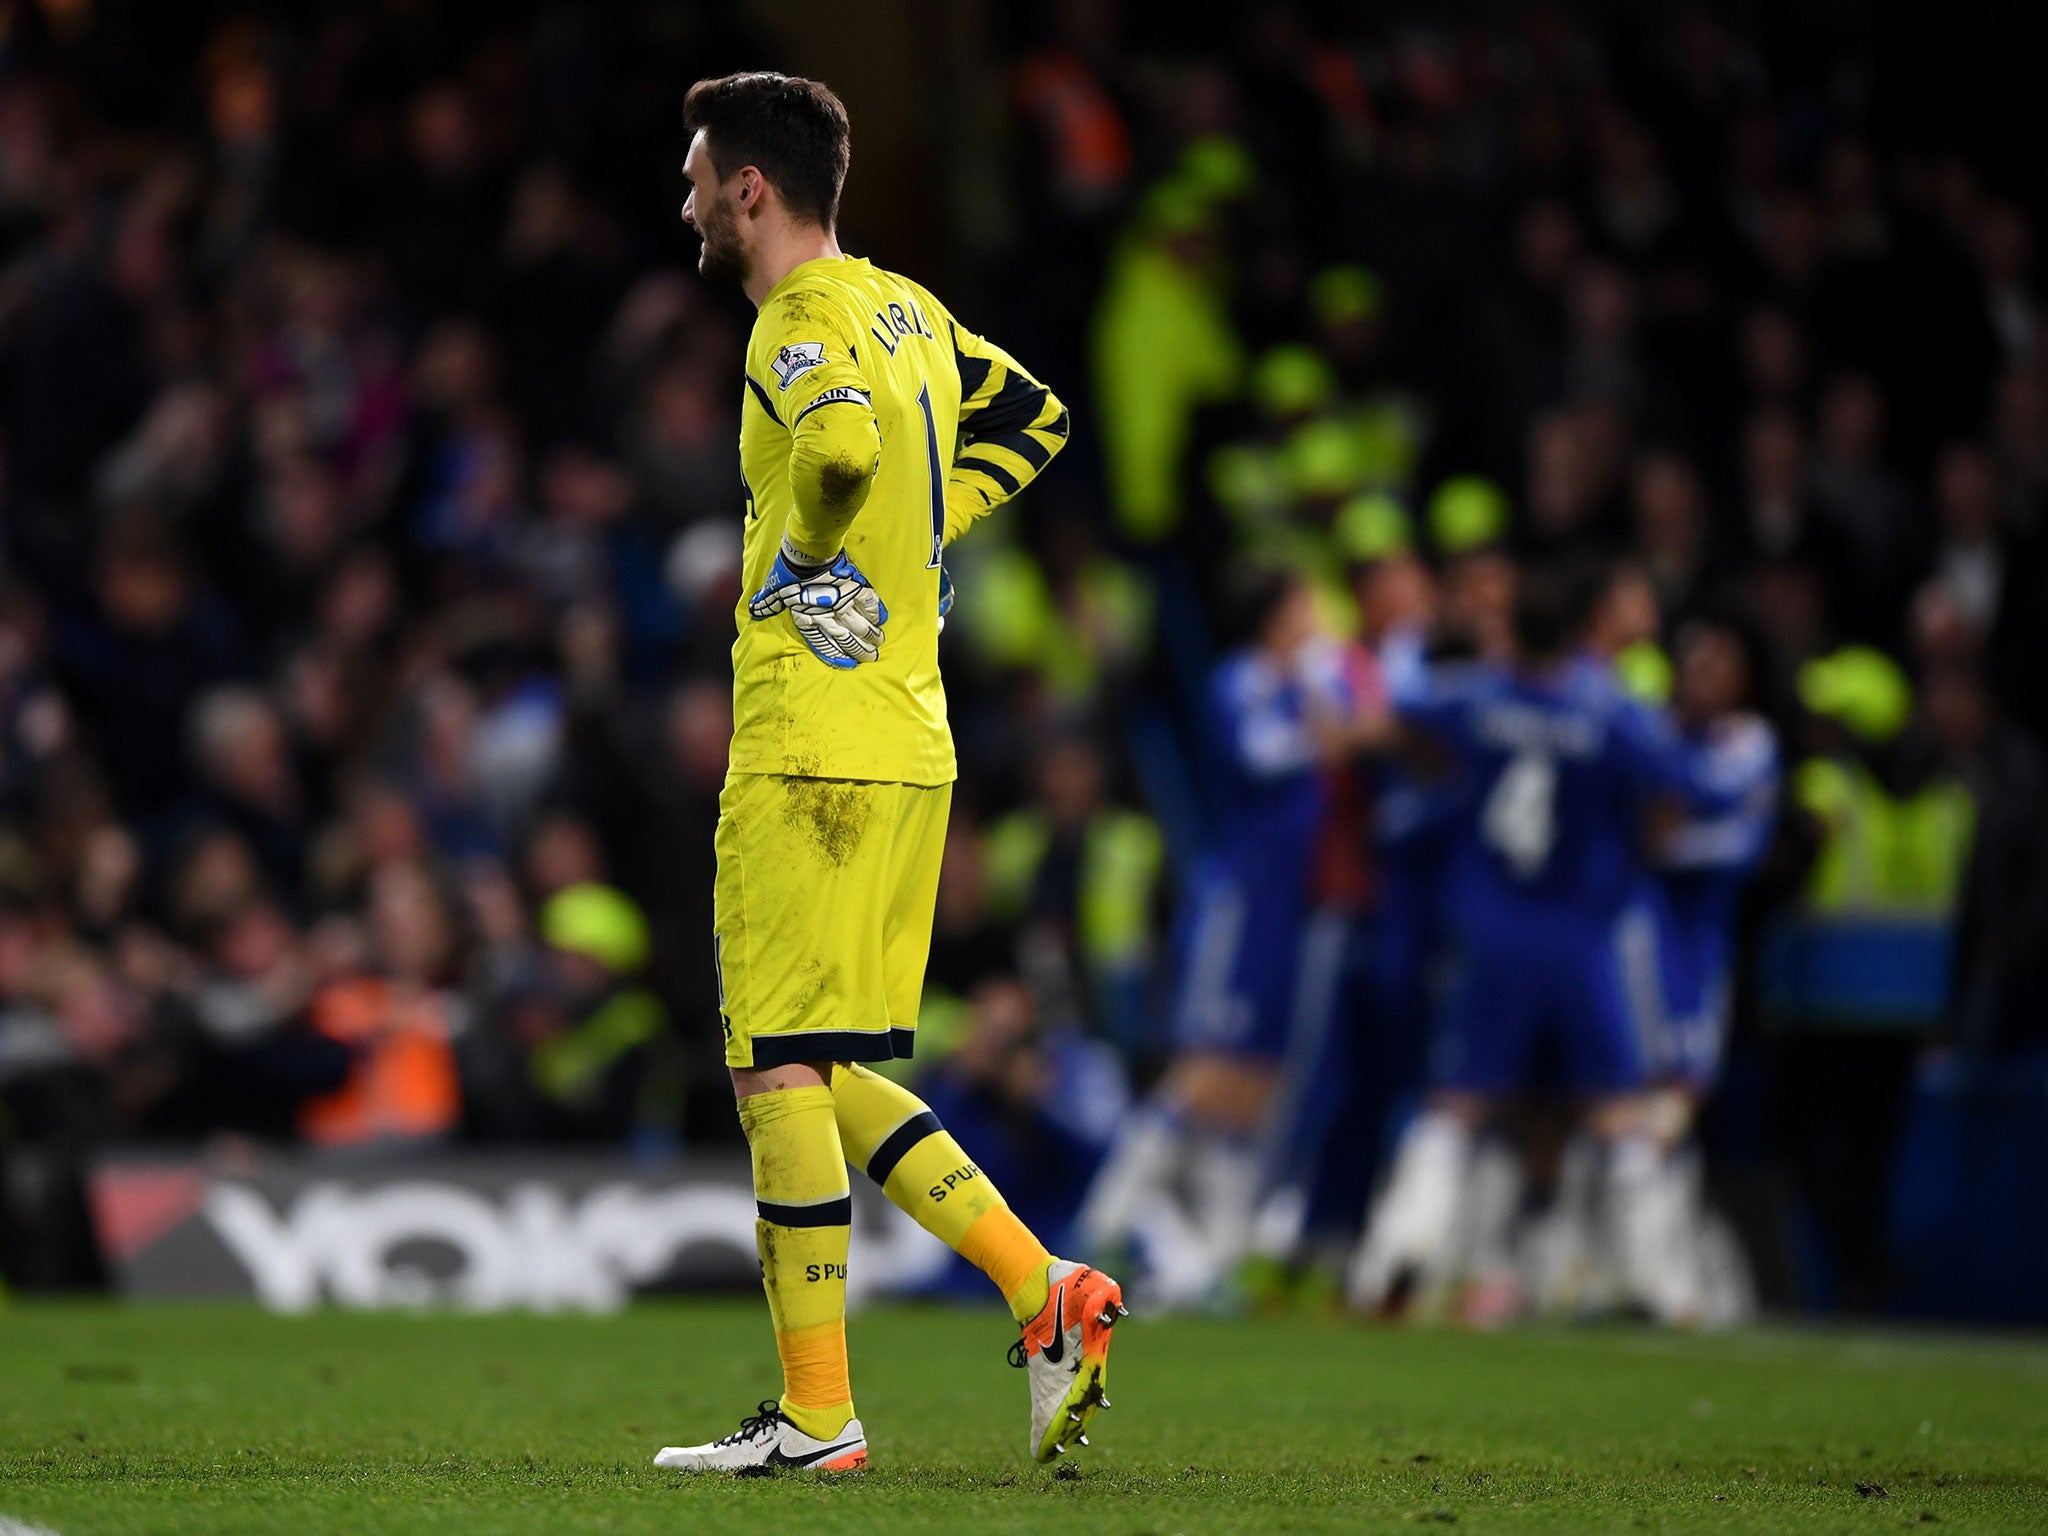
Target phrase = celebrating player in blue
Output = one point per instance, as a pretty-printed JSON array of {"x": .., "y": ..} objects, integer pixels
[
  {"x": 1730, "y": 762},
  {"x": 1574, "y": 785},
  {"x": 1728, "y": 756},
  {"x": 1258, "y": 966}
]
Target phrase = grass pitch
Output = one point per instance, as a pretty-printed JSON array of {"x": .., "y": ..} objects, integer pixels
[{"x": 164, "y": 1420}]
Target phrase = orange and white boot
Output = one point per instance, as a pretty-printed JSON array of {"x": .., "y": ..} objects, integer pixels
[
  {"x": 1065, "y": 1350},
  {"x": 767, "y": 1442}
]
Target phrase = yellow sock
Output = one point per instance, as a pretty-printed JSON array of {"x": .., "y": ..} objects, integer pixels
[
  {"x": 888, "y": 1132},
  {"x": 804, "y": 1224},
  {"x": 1009, "y": 1253}
]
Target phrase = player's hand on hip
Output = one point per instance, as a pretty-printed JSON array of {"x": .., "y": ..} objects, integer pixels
[{"x": 836, "y": 612}]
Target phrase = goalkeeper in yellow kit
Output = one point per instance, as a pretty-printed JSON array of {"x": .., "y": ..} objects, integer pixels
[{"x": 874, "y": 431}]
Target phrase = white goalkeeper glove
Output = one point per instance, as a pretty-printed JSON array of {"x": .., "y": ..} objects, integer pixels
[{"x": 838, "y": 615}]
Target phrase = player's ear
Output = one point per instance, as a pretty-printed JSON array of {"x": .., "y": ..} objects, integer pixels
[{"x": 750, "y": 188}]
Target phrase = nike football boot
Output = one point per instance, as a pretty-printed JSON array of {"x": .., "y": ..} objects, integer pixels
[
  {"x": 1065, "y": 1350},
  {"x": 766, "y": 1442}
]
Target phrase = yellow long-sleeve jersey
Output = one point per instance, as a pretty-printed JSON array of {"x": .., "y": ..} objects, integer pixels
[{"x": 871, "y": 416}]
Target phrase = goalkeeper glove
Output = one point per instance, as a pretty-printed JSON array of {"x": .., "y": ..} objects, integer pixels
[
  {"x": 945, "y": 597},
  {"x": 837, "y": 614}
]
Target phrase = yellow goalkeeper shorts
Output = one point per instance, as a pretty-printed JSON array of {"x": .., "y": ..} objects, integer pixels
[{"x": 823, "y": 915}]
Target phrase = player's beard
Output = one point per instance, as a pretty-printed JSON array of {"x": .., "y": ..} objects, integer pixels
[{"x": 723, "y": 258}]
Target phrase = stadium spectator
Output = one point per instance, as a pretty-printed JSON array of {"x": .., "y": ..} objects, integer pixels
[
  {"x": 392, "y": 1011},
  {"x": 574, "y": 1049},
  {"x": 1078, "y": 877}
]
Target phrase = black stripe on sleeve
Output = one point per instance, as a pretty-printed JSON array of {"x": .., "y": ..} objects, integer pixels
[
  {"x": 761, "y": 395},
  {"x": 973, "y": 370},
  {"x": 1022, "y": 444},
  {"x": 1002, "y": 477},
  {"x": 827, "y": 1213},
  {"x": 897, "y": 1144},
  {"x": 1012, "y": 408}
]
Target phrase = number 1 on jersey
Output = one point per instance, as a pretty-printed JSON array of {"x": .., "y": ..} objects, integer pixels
[{"x": 938, "y": 478}]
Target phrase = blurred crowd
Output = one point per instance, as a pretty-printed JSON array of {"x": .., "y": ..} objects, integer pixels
[{"x": 371, "y": 546}]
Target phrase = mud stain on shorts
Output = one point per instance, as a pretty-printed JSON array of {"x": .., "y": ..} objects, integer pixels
[
  {"x": 813, "y": 980},
  {"x": 830, "y": 815}
]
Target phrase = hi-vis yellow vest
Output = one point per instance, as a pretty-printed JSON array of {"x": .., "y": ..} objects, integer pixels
[{"x": 1884, "y": 855}]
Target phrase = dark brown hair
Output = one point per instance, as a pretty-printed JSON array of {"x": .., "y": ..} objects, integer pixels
[{"x": 794, "y": 131}]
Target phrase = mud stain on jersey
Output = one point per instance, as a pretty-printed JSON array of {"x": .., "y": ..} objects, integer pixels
[
  {"x": 830, "y": 815},
  {"x": 843, "y": 482}
]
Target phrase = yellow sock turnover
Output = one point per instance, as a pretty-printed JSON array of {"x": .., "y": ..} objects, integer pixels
[
  {"x": 888, "y": 1132},
  {"x": 805, "y": 1222}
]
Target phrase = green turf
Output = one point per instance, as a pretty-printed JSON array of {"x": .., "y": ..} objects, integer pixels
[{"x": 167, "y": 1420}]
